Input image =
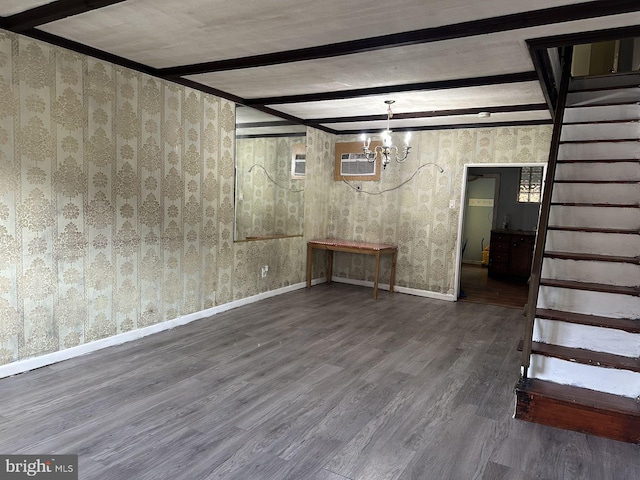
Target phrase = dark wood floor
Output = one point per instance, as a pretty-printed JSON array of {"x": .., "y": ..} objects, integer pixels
[
  {"x": 478, "y": 287},
  {"x": 319, "y": 384}
]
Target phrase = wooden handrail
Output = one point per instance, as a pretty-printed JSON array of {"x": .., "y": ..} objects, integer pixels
[{"x": 543, "y": 219}]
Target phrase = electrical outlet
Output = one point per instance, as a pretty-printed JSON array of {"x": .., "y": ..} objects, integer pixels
[
  {"x": 264, "y": 270},
  {"x": 452, "y": 204}
]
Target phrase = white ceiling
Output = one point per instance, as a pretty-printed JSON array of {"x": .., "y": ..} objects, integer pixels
[{"x": 474, "y": 65}]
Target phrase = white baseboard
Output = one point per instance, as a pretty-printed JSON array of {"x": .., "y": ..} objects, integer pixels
[
  {"x": 22, "y": 366},
  {"x": 68, "y": 353},
  {"x": 407, "y": 290}
]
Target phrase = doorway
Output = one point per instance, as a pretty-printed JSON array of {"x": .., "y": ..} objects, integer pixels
[{"x": 490, "y": 202}]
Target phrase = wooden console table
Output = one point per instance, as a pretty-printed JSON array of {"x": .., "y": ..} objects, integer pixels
[{"x": 333, "y": 245}]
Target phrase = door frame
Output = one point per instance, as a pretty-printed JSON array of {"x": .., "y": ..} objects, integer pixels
[{"x": 463, "y": 200}]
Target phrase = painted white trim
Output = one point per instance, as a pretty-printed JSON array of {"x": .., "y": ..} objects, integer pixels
[
  {"x": 407, "y": 290},
  {"x": 66, "y": 354}
]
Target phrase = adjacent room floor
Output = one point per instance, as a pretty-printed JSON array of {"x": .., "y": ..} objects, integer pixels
[
  {"x": 478, "y": 287},
  {"x": 316, "y": 384}
]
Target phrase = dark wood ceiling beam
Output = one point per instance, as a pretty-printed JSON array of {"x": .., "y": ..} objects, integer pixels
[
  {"x": 51, "y": 12},
  {"x": 430, "y": 114},
  {"x": 422, "y": 86},
  {"x": 535, "y": 18}
]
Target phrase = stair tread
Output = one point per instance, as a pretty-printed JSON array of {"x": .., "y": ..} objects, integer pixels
[
  {"x": 633, "y": 86},
  {"x": 599, "y": 160},
  {"x": 586, "y": 357},
  {"x": 602, "y": 140},
  {"x": 582, "y": 396},
  {"x": 597, "y": 104},
  {"x": 591, "y": 256},
  {"x": 593, "y": 287},
  {"x": 599, "y": 205},
  {"x": 590, "y": 122},
  {"x": 626, "y": 324},
  {"x": 595, "y": 230},
  {"x": 600, "y": 182}
]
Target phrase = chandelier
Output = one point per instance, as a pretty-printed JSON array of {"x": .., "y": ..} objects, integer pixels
[{"x": 387, "y": 151}]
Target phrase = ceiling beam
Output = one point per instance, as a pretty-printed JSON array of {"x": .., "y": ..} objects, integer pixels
[
  {"x": 51, "y": 12},
  {"x": 431, "y": 114},
  {"x": 410, "y": 87},
  {"x": 535, "y": 18}
]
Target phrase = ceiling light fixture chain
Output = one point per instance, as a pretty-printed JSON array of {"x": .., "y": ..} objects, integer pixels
[{"x": 387, "y": 151}]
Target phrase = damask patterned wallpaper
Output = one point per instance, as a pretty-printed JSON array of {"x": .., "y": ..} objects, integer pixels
[
  {"x": 417, "y": 216},
  {"x": 116, "y": 200}
]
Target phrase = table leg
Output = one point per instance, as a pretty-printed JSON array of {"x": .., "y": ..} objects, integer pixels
[
  {"x": 309, "y": 265},
  {"x": 394, "y": 258},
  {"x": 375, "y": 279},
  {"x": 330, "y": 265}
]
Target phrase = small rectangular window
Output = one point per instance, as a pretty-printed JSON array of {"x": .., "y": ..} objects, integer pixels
[
  {"x": 298, "y": 161},
  {"x": 530, "y": 190}
]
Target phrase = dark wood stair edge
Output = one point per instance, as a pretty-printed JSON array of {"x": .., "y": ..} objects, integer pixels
[
  {"x": 610, "y": 140},
  {"x": 578, "y": 409},
  {"x": 587, "y": 357},
  {"x": 598, "y": 205},
  {"x": 614, "y": 231},
  {"x": 599, "y": 160},
  {"x": 605, "y": 89},
  {"x": 600, "y": 182},
  {"x": 629, "y": 325},
  {"x": 608, "y": 104},
  {"x": 592, "y": 287},
  {"x": 591, "y": 257},
  {"x": 591, "y": 122}
]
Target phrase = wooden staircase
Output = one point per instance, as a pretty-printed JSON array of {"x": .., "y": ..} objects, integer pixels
[{"x": 583, "y": 369}]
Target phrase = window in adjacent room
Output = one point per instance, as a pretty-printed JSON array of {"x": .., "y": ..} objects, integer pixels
[{"x": 530, "y": 190}]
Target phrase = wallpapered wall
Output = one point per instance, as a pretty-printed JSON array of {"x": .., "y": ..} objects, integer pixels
[
  {"x": 417, "y": 216},
  {"x": 116, "y": 203},
  {"x": 269, "y": 201}
]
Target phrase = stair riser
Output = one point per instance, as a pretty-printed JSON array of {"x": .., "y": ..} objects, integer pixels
[
  {"x": 608, "y": 273},
  {"x": 598, "y": 171},
  {"x": 598, "y": 339},
  {"x": 596, "y": 217},
  {"x": 609, "y": 380},
  {"x": 607, "y": 194},
  {"x": 602, "y": 114},
  {"x": 613, "y": 305},
  {"x": 600, "y": 131},
  {"x": 599, "y": 151},
  {"x": 580, "y": 410},
  {"x": 592, "y": 242},
  {"x": 603, "y": 97}
]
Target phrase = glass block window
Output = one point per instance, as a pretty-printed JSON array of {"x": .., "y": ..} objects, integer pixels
[{"x": 530, "y": 190}]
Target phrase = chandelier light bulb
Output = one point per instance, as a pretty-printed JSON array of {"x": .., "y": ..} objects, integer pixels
[{"x": 387, "y": 151}]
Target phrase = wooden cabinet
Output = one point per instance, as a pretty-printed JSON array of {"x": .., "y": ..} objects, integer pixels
[{"x": 511, "y": 253}]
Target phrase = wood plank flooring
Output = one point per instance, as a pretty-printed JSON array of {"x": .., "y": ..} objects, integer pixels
[
  {"x": 478, "y": 287},
  {"x": 319, "y": 384}
]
